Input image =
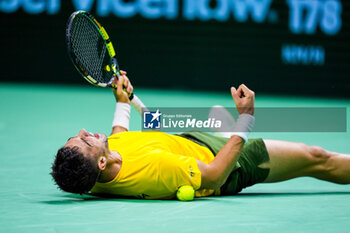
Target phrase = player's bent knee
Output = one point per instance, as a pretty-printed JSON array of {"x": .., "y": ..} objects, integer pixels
[
  {"x": 310, "y": 153},
  {"x": 318, "y": 154},
  {"x": 320, "y": 159}
]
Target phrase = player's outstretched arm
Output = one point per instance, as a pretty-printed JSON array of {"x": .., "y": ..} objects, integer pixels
[
  {"x": 216, "y": 173},
  {"x": 121, "y": 94}
]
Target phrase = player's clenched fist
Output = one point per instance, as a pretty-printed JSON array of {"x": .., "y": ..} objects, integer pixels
[{"x": 244, "y": 99}]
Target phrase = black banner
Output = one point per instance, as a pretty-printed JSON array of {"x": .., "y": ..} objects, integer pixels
[{"x": 289, "y": 46}]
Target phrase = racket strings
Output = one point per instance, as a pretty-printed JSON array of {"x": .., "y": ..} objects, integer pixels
[{"x": 90, "y": 49}]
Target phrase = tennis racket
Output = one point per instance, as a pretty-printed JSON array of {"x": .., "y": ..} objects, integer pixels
[{"x": 91, "y": 50}]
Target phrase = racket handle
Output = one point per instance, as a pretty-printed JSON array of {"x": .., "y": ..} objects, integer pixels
[
  {"x": 131, "y": 96},
  {"x": 138, "y": 105}
]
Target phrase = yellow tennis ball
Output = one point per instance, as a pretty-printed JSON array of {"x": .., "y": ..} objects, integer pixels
[{"x": 185, "y": 193}]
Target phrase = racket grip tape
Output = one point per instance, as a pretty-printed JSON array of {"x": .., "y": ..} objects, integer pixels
[{"x": 138, "y": 105}]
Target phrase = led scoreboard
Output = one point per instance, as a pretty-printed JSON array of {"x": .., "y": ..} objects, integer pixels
[{"x": 286, "y": 46}]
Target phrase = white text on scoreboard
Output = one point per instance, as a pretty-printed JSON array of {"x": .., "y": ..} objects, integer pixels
[{"x": 305, "y": 16}]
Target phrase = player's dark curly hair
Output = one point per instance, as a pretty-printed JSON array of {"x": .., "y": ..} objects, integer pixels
[{"x": 73, "y": 172}]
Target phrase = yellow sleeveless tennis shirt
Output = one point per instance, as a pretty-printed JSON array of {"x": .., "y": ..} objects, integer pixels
[{"x": 155, "y": 165}]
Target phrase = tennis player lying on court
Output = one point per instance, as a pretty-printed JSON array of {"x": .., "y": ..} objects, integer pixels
[{"x": 153, "y": 165}]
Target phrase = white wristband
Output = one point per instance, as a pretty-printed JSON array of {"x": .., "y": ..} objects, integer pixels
[
  {"x": 121, "y": 115},
  {"x": 138, "y": 105},
  {"x": 244, "y": 125}
]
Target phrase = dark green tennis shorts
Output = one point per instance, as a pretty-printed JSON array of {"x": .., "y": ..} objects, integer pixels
[{"x": 247, "y": 172}]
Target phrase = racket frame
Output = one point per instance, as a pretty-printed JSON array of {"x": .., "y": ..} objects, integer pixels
[{"x": 108, "y": 43}]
